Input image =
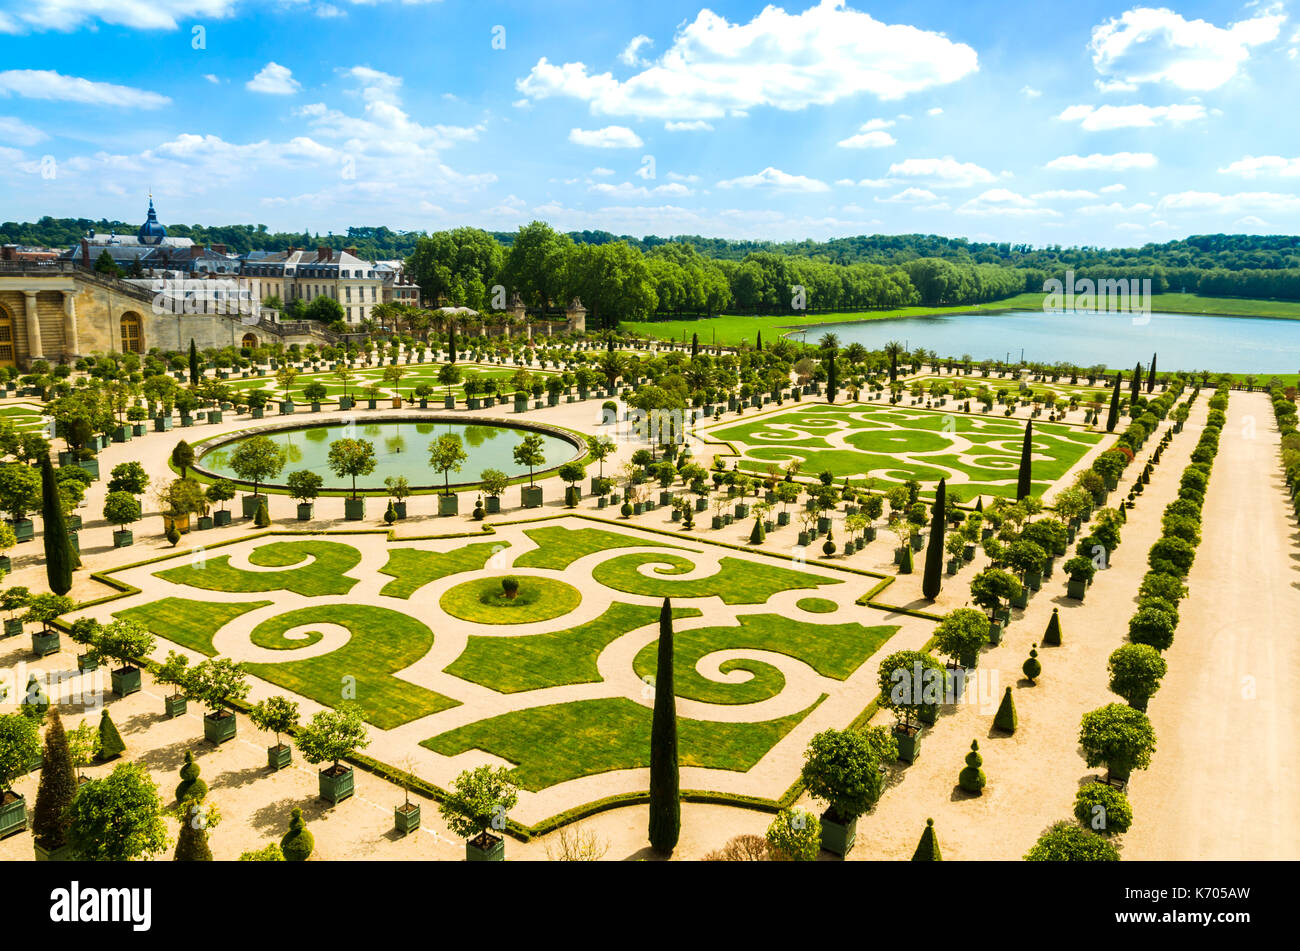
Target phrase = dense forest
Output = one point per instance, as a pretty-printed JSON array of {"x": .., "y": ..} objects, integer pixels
[{"x": 624, "y": 277}]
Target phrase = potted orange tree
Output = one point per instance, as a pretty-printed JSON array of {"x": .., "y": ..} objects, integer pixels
[
  {"x": 912, "y": 685},
  {"x": 20, "y": 744},
  {"x": 477, "y": 807},
  {"x": 276, "y": 715},
  {"x": 124, "y": 641},
  {"x": 331, "y": 736},
  {"x": 842, "y": 768},
  {"x": 174, "y": 672},
  {"x": 213, "y": 683}
]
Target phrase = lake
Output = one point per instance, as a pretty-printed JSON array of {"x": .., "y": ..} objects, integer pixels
[{"x": 1182, "y": 341}]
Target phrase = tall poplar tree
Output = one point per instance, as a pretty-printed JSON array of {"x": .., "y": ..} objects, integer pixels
[
  {"x": 1025, "y": 484},
  {"x": 1151, "y": 374},
  {"x": 932, "y": 579},
  {"x": 60, "y": 559},
  {"x": 1112, "y": 417},
  {"x": 194, "y": 363}
]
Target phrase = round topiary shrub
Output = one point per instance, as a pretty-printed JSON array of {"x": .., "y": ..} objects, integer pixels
[
  {"x": 510, "y": 586},
  {"x": 1103, "y": 809},
  {"x": 191, "y": 786},
  {"x": 297, "y": 844},
  {"x": 1032, "y": 667},
  {"x": 972, "y": 778}
]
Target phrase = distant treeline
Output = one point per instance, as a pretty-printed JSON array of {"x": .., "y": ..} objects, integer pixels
[{"x": 690, "y": 274}]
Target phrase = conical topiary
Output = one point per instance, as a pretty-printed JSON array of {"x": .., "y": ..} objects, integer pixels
[
  {"x": 757, "y": 536},
  {"x": 906, "y": 567},
  {"x": 35, "y": 702},
  {"x": 1052, "y": 636},
  {"x": 191, "y": 786},
  {"x": 1005, "y": 719},
  {"x": 927, "y": 850},
  {"x": 57, "y": 787},
  {"x": 297, "y": 844},
  {"x": 192, "y": 843},
  {"x": 263, "y": 518},
  {"x": 972, "y": 778},
  {"x": 1032, "y": 667},
  {"x": 110, "y": 741}
]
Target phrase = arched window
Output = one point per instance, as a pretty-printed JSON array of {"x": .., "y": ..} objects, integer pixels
[
  {"x": 249, "y": 341},
  {"x": 6, "y": 339},
  {"x": 132, "y": 337}
]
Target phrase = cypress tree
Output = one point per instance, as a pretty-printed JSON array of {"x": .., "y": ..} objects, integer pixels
[
  {"x": 931, "y": 581},
  {"x": 893, "y": 367},
  {"x": 1052, "y": 636},
  {"x": 972, "y": 778},
  {"x": 1136, "y": 385},
  {"x": 832, "y": 377},
  {"x": 58, "y": 786},
  {"x": 979, "y": 504},
  {"x": 1032, "y": 667},
  {"x": 192, "y": 843},
  {"x": 1112, "y": 417},
  {"x": 695, "y": 346},
  {"x": 760, "y": 341},
  {"x": 927, "y": 850},
  {"x": 1151, "y": 374},
  {"x": 110, "y": 741},
  {"x": 297, "y": 844},
  {"x": 1006, "y": 719},
  {"x": 194, "y": 363},
  {"x": 665, "y": 789},
  {"x": 182, "y": 456},
  {"x": 190, "y": 786},
  {"x": 451, "y": 343},
  {"x": 60, "y": 559},
  {"x": 262, "y": 518},
  {"x": 1025, "y": 484},
  {"x": 908, "y": 564}
]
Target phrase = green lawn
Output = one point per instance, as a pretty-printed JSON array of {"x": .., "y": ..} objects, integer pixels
[
  {"x": 833, "y": 650},
  {"x": 323, "y": 575},
  {"x": 363, "y": 670},
  {"x": 738, "y": 581},
  {"x": 558, "y": 547},
  {"x": 553, "y": 659},
  {"x": 558, "y": 742},
  {"x": 188, "y": 623},
  {"x": 817, "y": 605},
  {"x": 483, "y": 600},
  {"x": 411, "y": 568}
]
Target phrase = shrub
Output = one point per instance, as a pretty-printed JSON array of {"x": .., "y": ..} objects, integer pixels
[
  {"x": 1135, "y": 672},
  {"x": 1080, "y": 568},
  {"x": 1103, "y": 809},
  {"x": 841, "y": 769},
  {"x": 117, "y": 818},
  {"x": 58, "y": 785},
  {"x": 1032, "y": 667},
  {"x": 1172, "y": 555},
  {"x": 1066, "y": 842},
  {"x": 297, "y": 844},
  {"x": 927, "y": 850},
  {"x": 263, "y": 518},
  {"x": 110, "y": 741},
  {"x": 794, "y": 836},
  {"x": 1006, "y": 719},
  {"x": 510, "y": 586},
  {"x": 972, "y": 778},
  {"x": 191, "y": 786},
  {"x": 268, "y": 853},
  {"x": 1118, "y": 737},
  {"x": 1152, "y": 626},
  {"x": 1163, "y": 585},
  {"x": 741, "y": 848},
  {"x": 1052, "y": 636}
]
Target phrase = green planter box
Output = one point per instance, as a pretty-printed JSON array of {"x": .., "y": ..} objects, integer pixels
[
  {"x": 90, "y": 467},
  {"x": 492, "y": 504},
  {"x": 186, "y": 420},
  {"x": 1033, "y": 580},
  {"x": 214, "y": 416},
  {"x": 782, "y": 518},
  {"x": 354, "y": 510},
  {"x": 125, "y": 680},
  {"x": 162, "y": 424},
  {"x": 1021, "y": 600},
  {"x": 346, "y": 402},
  {"x": 954, "y": 565},
  {"x": 219, "y": 729},
  {"x": 257, "y": 412},
  {"x": 13, "y": 815},
  {"x": 61, "y": 854},
  {"x": 286, "y": 407},
  {"x": 1076, "y": 589},
  {"x": 838, "y": 838},
  {"x": 205, "y": 523},
  {"x": 406, "y": 817},
  {"x": 45, "y": 643},
  {"x": 909, "y": 742},
  {"x": 221, "y": 517},
  {"x": 175, "y": 706},
  {"x": 305, "y": 511},
  {"x": 24, "y": 530},
  {"x": 278, "y": 757},
  {"x": 530, "y": 496},
  {"x": 248, "y": 504},
  {"x": 13, "y": 627},
  {"x": 995, "y": 633},
  {"x": 447, "y": 505},
  {"x": 335, "y": 788},
  {"x": 495, "y": 851}
]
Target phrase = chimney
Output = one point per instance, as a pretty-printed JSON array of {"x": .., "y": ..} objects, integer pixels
[
  {"x": 85, "y": 253},
  {"x": 351, "y": 251},
  {"x": 219, "y": 248},
  {"x": 323, "y": 253}
]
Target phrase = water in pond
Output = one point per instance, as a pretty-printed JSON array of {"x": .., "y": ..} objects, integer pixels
[
  {"x": 1183, "y": 341},
  {"x": 401, "y": 449}
]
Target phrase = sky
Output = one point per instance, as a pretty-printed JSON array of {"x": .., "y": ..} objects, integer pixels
[{"x": 1081, "y": 123}]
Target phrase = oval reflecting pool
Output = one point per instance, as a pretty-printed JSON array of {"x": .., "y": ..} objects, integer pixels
[{"x": 401, "y": 449}]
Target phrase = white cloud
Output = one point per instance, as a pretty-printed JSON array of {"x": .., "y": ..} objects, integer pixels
[
  {"x": 1250, "y": 166},
  {"x": 695, "y": 125},
  {"x": 868, "y": 140},
  {"x": 1114, "y": 209},
  {"x": 1236, "y": 204},
  {"x": 1110, "y": 189},
  {"x": 872, "y": 124},
  {"x": 212, "y": 78},
  {"x": 908, "y": 196},
  {"x": 1116, "y": 85},
  {"x": 274, "y": 80},
  {"x": 1146, "y": 45},
  {"x": 936, "y": 111},
  {"x": 628, "y": 190},
  {"x": 1251, "y": 221},
  {"x": 602, "y": 172},
  {"x": 1029, "y": 92},
  {"x": 50, "y": 85},
  {"x": 68, "y": 15},
  {"x": 816, "y": 57},
  {"x": 777, "y": 180},
  {"x": 1006, "y": 203},
  {"x": 17, "y": 132},
  {"x": 1096, "y": 162},
  {"x": 1103, "y": 118},
  {"x": 327, "y": 11},
  {"x": 1064, "y": 194},
  {"x": 944, "y": 172},
  {"x": 610, "y": 137},
  {"x": 631, "y": 55},
  {"x": 679, "y": 177}
]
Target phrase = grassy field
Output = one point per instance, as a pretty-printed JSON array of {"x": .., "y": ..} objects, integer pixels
[
  {"x": 732, "y": 329},
  {"x": 483, "y": 601},
  {"x": 738, "y": 581},
  {"x": 321, "y": 570}
]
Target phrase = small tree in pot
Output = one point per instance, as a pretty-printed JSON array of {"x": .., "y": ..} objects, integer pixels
[
  {"x": 912, "y": 685},
  {"x": 214, "y": 682},
  {"x": 842, "y": 769},
  {"x": 331, "y": 736},
  {"x": 479, "y": 802},
  {"x": 14, "y": 599},
  {"x": 1135, "y": 672},
  {"x": 20, "y": 744},
  {"x": 494, "y": 482},
  {"x": 447, "y": 455},
  {"x": 1118, "y": 737},
  {"x": 961, "y": 634},
  {"x": 304, "y": 486},
  {"x": 122, "y": 509},
  {"x": 43, "y": 609},
  {"x": 174, "y": 672},
  {"x": 276, "y": 715},
  {"x": 124, "y": 641}
]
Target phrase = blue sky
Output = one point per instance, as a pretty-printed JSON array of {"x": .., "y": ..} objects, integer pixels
[{"x": 1080, "y": 123}]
